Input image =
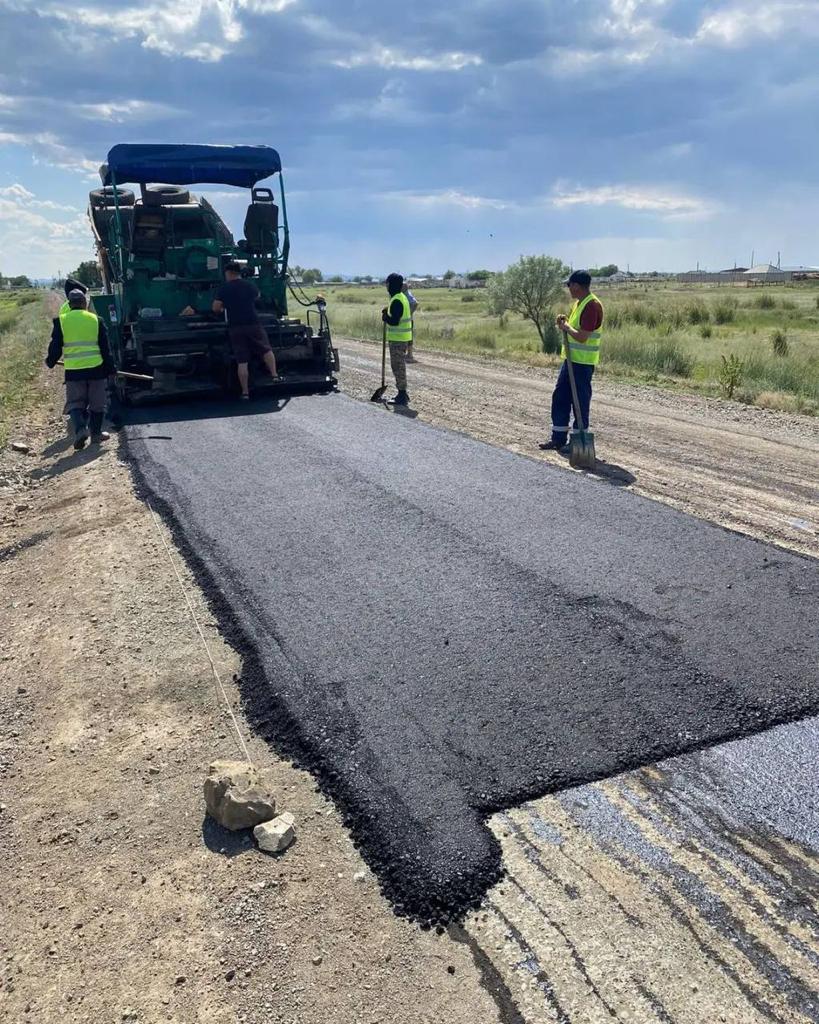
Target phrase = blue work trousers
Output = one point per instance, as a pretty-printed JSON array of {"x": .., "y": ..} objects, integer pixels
[{"x": 562, "y": 412}]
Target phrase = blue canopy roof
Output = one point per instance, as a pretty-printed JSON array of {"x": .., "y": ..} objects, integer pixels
[{"x": 188, "y": 165}]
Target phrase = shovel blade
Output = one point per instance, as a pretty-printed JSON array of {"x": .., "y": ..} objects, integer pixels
[
  {"x": 378, "y": 394},
  {"x": 581, "y": 450}
]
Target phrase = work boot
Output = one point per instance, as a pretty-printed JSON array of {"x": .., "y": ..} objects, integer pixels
[
  {"x": 402, "y": 398},
  {"x": 79, "y": 428},
  {"x": 554, "y": 446},
  {"x": 98, "y": 435}
]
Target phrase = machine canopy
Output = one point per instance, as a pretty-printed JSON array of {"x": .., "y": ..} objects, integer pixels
[{"x": 243, "y": 166}]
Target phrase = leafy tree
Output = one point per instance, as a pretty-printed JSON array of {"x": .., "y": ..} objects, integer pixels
[
  {"x": 605, "y": 271},
  {"x": 449, "y": 275},
  {"x": 312, "y": 276},
  {"x": 335, "y": 279},
  {"x": 88, "y": 273},
  {"x": 530, "y": 288},
  {"x": 479, "y": 275},
  {"x": 20, "y": 281}
]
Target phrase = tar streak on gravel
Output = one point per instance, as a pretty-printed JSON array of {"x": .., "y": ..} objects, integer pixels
[{"x": 439, "y": 629}]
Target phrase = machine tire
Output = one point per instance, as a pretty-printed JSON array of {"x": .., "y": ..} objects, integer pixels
[
  {"x": 166, "y": 195},
  {"x": 336, "y": 360},
  {"x": 100, "y": 198}
]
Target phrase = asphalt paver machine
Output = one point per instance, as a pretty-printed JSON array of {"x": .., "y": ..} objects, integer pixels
[{"x": 162, "y": 251}]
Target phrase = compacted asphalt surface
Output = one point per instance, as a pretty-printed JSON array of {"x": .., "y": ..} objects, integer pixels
[{"x": 439, "y": 629}]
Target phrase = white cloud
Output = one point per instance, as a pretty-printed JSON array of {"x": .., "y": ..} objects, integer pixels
[
  {"x": 122, "y": 111},
  {"x": 35, "y": 239},
  {"x": 27, "y": 200},
  {"x": 47, "y": 148},
  {"x": 448, "y": 197},
  {"x": 648, "y": 199},
  {"x": 391, "y": 59},
  {"x": 741, "y": 23},
  {"x": 204, "y": 30}
]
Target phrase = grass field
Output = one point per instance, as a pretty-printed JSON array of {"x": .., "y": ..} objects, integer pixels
[
  {"x": 668, "y": 335},
  {"x": 24, "y": 333}
]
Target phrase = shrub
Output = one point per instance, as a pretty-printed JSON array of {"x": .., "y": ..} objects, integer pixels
[
  {"x": 482, "y": 339},
  {"x": 779, "y": 342},
  {"x": 730, "y": 375},
  {"x": 469, "y": 297},
  {"x": 788, "y": 304},
  {"x": 697, "y": 313},
  {"x": 706, "y": 330},
  {"x": 725, "y": 311},
  {"x": 764, "y": 302},
  {"x": 650, "y": 355}
]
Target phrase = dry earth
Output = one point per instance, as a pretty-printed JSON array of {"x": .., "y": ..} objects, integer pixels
[
  {"x": 749, "y": 469},
  {"x": 121, "y": 903}
]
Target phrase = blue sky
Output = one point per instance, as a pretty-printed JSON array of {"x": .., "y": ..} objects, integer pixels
[{"x": 655, "y": 133}]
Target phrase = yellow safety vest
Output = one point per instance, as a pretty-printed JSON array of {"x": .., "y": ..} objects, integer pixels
[
  {"x": 402, "y": 332},
  {"x": 81, "y": 350},
  {"x": 587, "y": 352}
]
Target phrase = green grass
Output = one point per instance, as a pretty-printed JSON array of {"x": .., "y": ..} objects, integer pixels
[
  {"x": 24, "y": 332},
  {"x": 666, "y": 334}
]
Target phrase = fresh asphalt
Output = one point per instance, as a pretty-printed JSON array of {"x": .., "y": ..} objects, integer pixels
[{"x": 439, "y": 629}]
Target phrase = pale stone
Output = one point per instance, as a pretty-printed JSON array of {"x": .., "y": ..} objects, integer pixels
[
  {"x": 236, "y": 795},
  {"x": 276, "y": 835}
]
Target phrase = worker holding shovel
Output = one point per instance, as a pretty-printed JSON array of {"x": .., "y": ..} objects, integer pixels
[
  {"x": 397, "y": 334},
  {"x": 582, "y": 331}
]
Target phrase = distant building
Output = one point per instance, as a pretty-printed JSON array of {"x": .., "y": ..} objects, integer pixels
[{"x": 460, "y": 281}]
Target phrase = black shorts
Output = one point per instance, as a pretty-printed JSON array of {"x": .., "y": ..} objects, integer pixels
[{"x": 247, "y": 340}]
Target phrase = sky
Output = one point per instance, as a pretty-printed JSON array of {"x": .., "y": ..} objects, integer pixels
[{"x": 655, "y": 134}]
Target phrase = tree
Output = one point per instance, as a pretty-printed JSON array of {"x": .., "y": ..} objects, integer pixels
[
  {"x": 88, "y": 273},
  {"x": 20, "y": 281},
  {"x": 335, "y": 279},
  {"x": 479, "y": 275},
  {"x": 530, "y": 288},
  {"x": 606, "y": 271},
  {"x": 312, "y": 276},
  {"x": 449, "y": 275}
]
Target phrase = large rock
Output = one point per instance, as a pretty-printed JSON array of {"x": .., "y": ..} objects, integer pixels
[
  {"x": 237, "y": 796},
  {"x": 276, "y": 835}
]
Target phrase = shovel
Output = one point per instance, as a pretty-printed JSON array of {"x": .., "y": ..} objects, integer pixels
[
  {"x": 378, "y": 394},
  {"x": 581, "y": 441}
]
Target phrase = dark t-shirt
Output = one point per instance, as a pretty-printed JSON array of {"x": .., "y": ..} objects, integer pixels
[
  {"x": 591, "y": 319},
  {"x": 239, "y": 298}
]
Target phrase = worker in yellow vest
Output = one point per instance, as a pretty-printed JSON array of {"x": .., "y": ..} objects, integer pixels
[
  {"x": 582, "y": 332},
  {"x": 80, "y": 338},
  {"x": 70, "y": 286},
  {"x": 398, "y": 325}
]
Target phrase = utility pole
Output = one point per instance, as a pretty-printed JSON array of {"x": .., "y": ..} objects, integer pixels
[
  {"x": 778, "y": 260},
  {"x": 752, "y": 257}
]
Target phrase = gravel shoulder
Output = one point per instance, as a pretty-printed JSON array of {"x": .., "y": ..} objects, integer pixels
[
  {"x": 120, "y": 901},
  {"x": 748, "y": 469}
]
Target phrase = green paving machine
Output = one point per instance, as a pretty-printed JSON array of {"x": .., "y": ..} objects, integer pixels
[{"x": 162, "y": 252}]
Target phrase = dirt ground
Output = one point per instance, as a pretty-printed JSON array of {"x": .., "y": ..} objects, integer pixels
[
  {"x": 121, "y": 902},
  {"x": 749, "y": 469}
]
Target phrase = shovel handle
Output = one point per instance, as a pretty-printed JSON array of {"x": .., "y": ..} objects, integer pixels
[{"x": 570, "y": 370}]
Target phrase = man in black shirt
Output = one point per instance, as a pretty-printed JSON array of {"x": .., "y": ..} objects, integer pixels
[{"x": 237, "y": 299}]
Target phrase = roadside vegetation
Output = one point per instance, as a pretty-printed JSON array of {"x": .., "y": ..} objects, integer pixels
[
  {"x": 667, "y": 335},
  {"x": 24, "y": 331}
]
